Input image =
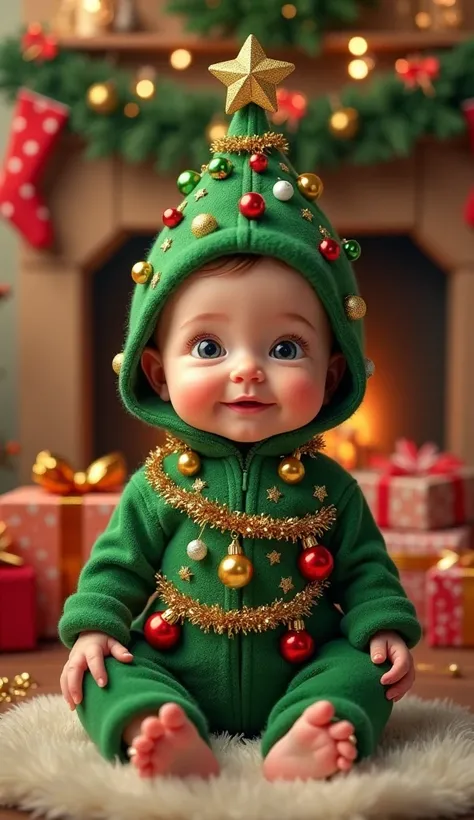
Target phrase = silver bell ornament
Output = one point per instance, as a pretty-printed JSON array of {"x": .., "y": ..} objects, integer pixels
[
  {"x": 196, "y": 549},
  {"x": 283, "y": 190}
]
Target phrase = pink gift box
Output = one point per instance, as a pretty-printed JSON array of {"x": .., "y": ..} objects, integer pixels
[
  {"x": 96, "y": 512},
  {"x": 450, "y": 605},
  {"x": 419, "y": 502}
]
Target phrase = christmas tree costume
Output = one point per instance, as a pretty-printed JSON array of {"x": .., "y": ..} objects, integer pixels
[{"x": 249, "y": 555}]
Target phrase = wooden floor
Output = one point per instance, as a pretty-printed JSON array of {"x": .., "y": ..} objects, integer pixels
[{"x": 46, "y": 663}]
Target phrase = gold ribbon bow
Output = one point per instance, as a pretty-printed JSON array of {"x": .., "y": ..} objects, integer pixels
[
  {"x": 56, "y": 475},
  {"x": 6, "y": 542},
  {"x": 450, "y": 558}
]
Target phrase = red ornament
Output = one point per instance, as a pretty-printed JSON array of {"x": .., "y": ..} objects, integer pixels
[
  {"x": 330, "y": 249},
  {"x": 315, "y": 563},
  {"x": 418, "y": 71},
  {"x": 296, "y": 646},
  {"x": 37, "y": 46},
  {"x": 172, "y": 217},
  {"x": 258, "y": 163},
  {"x": 252, "y": 205},
  {"x": 159, "y": 633}
]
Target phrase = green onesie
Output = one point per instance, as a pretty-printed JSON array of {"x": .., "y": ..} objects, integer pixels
[{"x": 266, "y": 563}]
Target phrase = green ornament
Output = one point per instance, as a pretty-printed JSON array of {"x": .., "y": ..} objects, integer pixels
[
  {"x": 220, "y": 168},
  {"x": 187, "y": 182},
  {"x": 352, "y": 249}
]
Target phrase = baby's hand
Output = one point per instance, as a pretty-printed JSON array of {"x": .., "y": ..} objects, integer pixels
[
  {"x": 390, "y": 645},
  {"x": 89, "y": 651}
]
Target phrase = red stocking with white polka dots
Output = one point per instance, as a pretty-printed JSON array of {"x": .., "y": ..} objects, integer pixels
[{"x": 37, "y": 123}]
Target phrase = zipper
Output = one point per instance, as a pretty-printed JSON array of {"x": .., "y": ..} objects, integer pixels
[{"x": 245, "y": 465}]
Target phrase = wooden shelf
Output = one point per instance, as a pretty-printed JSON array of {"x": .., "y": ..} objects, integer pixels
[{"x": 390, "y": 42}]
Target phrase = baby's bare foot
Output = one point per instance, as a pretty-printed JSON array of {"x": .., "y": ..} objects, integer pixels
[
  {"x": 170, "y": 744},
  {"x": 314, "y": 748}
]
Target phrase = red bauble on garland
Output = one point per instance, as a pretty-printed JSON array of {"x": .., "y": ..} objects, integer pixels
[
  {"x": 252, "y": 205},
  {"x": 258, "y": 163},
  {"x": 330, "y": 249},
  {"x": 315, "y": 563},
  {"x": 172, "y": 217},
  {"x": 296, "y": 646},
  {"x": 160, "y": 633}
]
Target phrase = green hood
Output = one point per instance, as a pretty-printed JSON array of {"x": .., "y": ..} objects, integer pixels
[{"x": 282, "y": 232}]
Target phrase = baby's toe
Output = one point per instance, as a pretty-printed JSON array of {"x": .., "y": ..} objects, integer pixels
[
  {"x": 143, "y": 745},
  {"x": 341, "y": 730},
  {"x": 347, "y": 750},
  {"x": 343, "y": 764},
  {"x": 172, "y": 716},
  {"x": 319, "y": 714},
  {"x": 152, "y": 728}
]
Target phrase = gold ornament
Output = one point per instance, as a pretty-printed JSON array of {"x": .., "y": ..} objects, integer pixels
[
  {"x": 234, "y": 621},
  {"x": 102, "y": 97},
  {"x": 141, "y": 272},
  {"x": 344, "y": 123},
  {"x": 203, "y": 224},
  {"x": 274, "y": 494},
  {"x": 355, "y": 308},
  {"x": 117, "y": 363},
  {"x": 203, "y": 511},
  {"x": 255, "y": 144},
  {"x": 291, "y": 470},
  {"x": 320, "y": 493},
  {"x": 310, "y": 185},
  {"x": 306, "y": 214},
  {"x": 273, "y": 557},
  {"x": 286, "y": 584},
  {"x": 251, "y": 77},
  {"x": 235, "y": 570},
  {"x": 185, "y": 574},
  {"x": 166, "y": 245},
  {"x": 189, "y": 463}
]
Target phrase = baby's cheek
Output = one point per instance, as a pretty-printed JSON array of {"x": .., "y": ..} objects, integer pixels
[
  {"x": 302, "y": 390},
  {"x": 191, "y": 391}
]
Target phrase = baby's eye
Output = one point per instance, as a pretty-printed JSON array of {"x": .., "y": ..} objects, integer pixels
[
  {"x": 207, "y": 349},
  {"x": 287, "y": 349}
]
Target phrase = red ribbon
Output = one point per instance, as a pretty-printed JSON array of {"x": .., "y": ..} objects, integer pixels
[{"x": 408, "y": 460}]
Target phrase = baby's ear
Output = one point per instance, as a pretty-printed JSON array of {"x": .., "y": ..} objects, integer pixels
[
  {"x": 336, "y": 369},
  {"x": 152, "y": 367}
]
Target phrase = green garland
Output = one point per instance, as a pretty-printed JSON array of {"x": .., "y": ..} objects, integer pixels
[
  {"x": 171, "y": 128},
  {"x": 265, "y": 20}
]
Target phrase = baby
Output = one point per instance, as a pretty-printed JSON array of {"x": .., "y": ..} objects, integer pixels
[{"x": 242, "y": 584}]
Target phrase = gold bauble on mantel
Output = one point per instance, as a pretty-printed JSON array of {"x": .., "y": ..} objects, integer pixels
[{"x": 102, "y": 97}]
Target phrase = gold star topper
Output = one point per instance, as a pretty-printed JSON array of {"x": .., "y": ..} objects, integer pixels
[{"x": 251, "y": 77}]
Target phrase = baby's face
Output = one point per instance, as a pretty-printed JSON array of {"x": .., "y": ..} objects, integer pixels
[{"x": 245, "y": 354}]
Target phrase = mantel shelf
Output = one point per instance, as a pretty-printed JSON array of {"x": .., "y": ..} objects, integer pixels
[{"x": 390, "y": 42}]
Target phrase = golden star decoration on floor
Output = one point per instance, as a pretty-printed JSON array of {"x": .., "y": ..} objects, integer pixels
[
  {"x": 155, "y": 280},
  {"x": 284, "y": 167},
  {"x": 306, "y": 214},
  {"x": 199, "y": 484},
  {"x": 274, "y": 494},
  {"x": 166, "y": 245},
  {"x": 273, "y": 557},
  {"x": 199, "y": 194},
  {"x": 251, "y": 77},
  {"x": 185, "y": 574},
  {"x": 286, "y": 584},
  {"x": 320, "y": 493}
]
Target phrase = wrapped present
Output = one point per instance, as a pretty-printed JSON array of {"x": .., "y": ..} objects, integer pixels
[
  {"x": 450, "y": 600},
  {"x": 415, "y": 552},
  {"x": 96, "y": 512},
  {"x": 17, "y": 598},
  {"x": 418, "y": 489},
  {"x": 46, "y": 524}
]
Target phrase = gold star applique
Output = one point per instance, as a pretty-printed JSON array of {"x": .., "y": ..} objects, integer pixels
[
  {"x": 182, "y": 206},
  {"x": 155, "y": 280},
  {"x": 166, "y": 245},
  {"x": 185, "y": 574},
  {"x": 274, "y": 494},
  {"x": 199, "y": 484},
  {"x": 286, "y": 584},
  {"x": 306, "y": 214},
  {"x": 199, "y": 194},
  {"x": 204, "y": 169},
  {"x": 251, "y": 77},
  {"x": 320, "y": 493},
  {"x": 274, "y": 557},
  {"x": 284, "y": 167}
]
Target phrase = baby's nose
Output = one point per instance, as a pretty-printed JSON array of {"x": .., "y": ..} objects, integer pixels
[{"x": 247, "y": 370}]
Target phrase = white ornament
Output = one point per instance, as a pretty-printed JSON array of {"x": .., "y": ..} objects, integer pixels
[
  {"x": 369, "y": 368},
  {"x": 283, "y": 190},
  {"x": 197, "y": 549}
]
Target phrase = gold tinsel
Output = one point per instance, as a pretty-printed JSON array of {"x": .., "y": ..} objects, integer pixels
[
  {"x": 311, "y": 448},
  {"x": 203, "y": 511},
  {"x": 232, "y": 621},
  {"x": 255, "y": 144}
]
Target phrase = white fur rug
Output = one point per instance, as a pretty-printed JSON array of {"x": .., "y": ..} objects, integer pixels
[{"x": 424, "y": 768}]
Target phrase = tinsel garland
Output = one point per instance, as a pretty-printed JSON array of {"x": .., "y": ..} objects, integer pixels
[
  {"x": 244, "y": 144},
  {"x": 232, "y": 621},
  {"x": 171, "y": 128},
  {"x": 204, "y": 511}
]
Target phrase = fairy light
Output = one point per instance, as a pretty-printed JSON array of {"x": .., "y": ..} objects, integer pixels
[
  {"x": 181, "y": 59},
  {"x": 131, "y": 110},
  {"x": 358, "y": 69},
  {"x": 216, "y": 131},
  {"x": 423, "y": 19},
  {"x": 358, "y": 46},
  {"x": 92, "y": 6},
  {"x": 289, "y": 11},
  {"x": 145, "y": 89}
]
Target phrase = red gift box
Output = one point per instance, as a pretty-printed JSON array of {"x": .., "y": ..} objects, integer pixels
[
  {"x": 418, "y": 489},
  {"x": 450, "y": 600},
  {"x": 18, "y": 621}
]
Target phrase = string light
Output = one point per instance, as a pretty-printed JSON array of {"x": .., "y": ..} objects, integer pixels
[
  {"x": 216, "y": 130},
  {"x": 423, "y": 19},
  {"x": 358, "y": 69},
  {"x": 180, "y": 59},
  {"x": 145, "y": 89},
  {"x": 289, "y": 11},
  {"x": 358, "y": 46},
  {"x": 131, "y": 110}
]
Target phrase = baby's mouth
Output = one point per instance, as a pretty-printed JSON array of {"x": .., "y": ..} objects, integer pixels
[{"x": 249, "y": 405}]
